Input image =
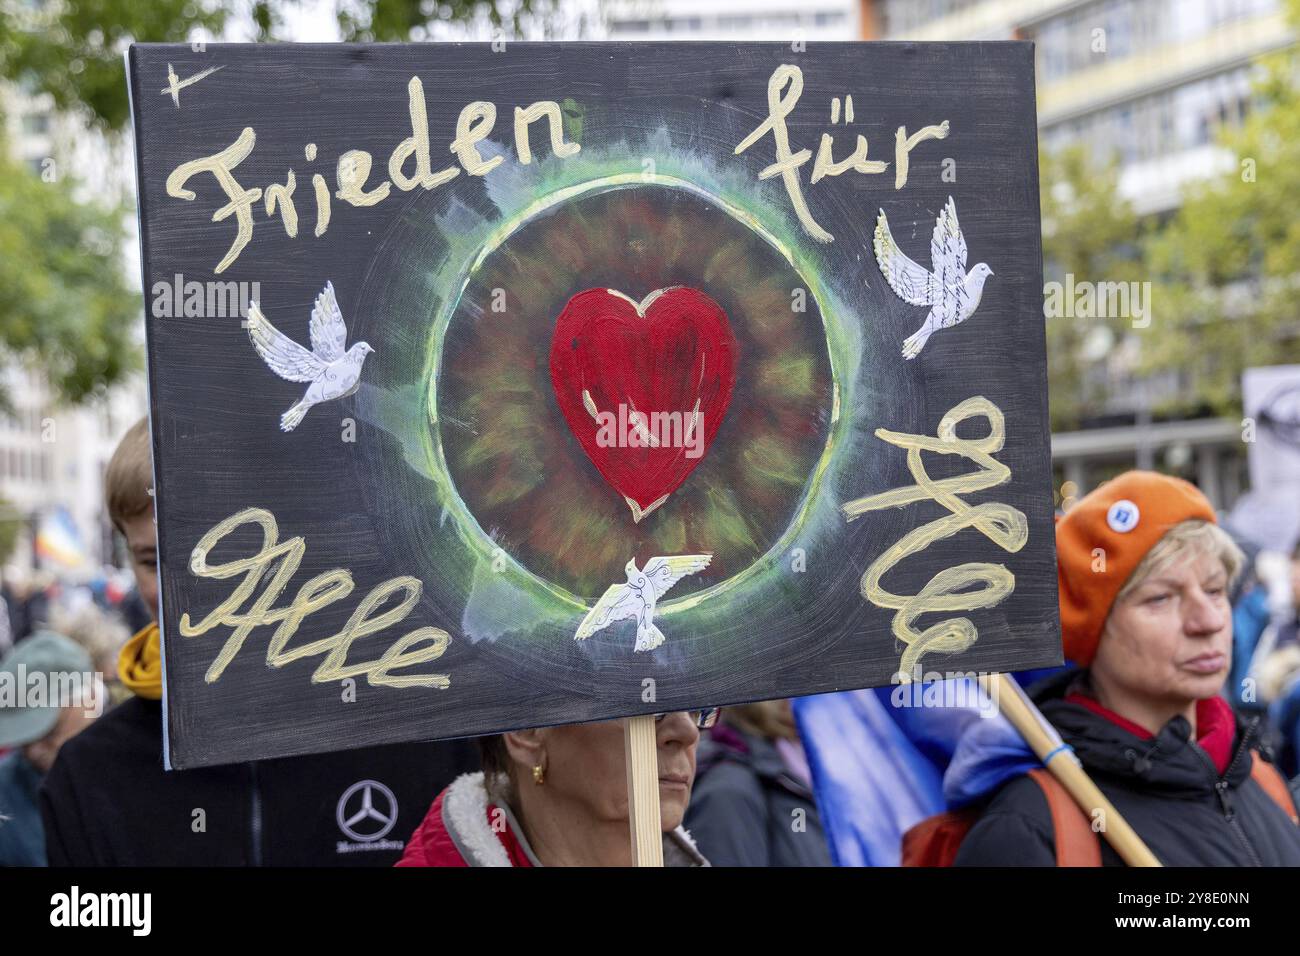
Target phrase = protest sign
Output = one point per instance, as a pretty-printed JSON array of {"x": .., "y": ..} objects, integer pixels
[{"x": 497, "y": 386}]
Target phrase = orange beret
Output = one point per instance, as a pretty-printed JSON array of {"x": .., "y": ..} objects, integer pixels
[{"x": 1124, "y": 518}]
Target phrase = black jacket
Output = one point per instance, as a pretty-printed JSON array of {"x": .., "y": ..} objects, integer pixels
[
  {"x": 108, "y": 802},
  {"x": 748, "y": 810},
  {"x": 1167, "y": 788}
]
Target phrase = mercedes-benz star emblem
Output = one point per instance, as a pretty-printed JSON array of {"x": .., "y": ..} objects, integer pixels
[{"x": 367, "y": 811}]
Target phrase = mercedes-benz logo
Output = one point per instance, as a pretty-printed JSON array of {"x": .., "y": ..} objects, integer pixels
[{"x": 367, "y": 811}]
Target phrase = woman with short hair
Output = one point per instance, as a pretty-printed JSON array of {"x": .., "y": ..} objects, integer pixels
[
  {"x": 1144, "y": 573},
  {"x": 557, "y": 796}
]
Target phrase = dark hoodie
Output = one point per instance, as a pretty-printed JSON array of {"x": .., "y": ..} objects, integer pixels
[
  {"x": 108, "y": 802},
  {"x": 1167, "y": 787}
]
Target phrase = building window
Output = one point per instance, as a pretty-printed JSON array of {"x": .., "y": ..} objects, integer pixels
[
  {"x": 900, "y": 17},
  {"x": 1160, "y": 124},
  {"x": 1068, "y": 43}
]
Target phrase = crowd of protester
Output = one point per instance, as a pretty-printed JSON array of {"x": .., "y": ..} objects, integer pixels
[{"x": 1181, "y": 701}]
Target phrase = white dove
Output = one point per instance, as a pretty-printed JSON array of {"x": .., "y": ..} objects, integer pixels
[
  {"x": 332, "y": 372},
  {"x": 952, "y": 293},
  {"x": 639, "y": 596}
]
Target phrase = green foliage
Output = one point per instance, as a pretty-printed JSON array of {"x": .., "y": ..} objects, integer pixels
[
  {"x": 11, "y": 526},
  {"x": 1091, "y": 233},
  {"x": 64, "y": 302},
  {"x": 73, "y": 49},
  {"x": 1225, "y": 267},
  {"x": 396, "y": 20},
  {"x": 1228, "y": 264}
]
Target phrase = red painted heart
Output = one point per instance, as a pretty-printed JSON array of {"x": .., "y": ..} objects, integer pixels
[{"x": 644, "y": 386}]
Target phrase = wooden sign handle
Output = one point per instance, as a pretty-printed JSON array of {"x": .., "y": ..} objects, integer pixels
[
  {"x": 643, "y": 791},
  {"x": 1046, "y": 743}
]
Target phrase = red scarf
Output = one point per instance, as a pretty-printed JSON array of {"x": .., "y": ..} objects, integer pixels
[{"x": 1215, "y": 725}]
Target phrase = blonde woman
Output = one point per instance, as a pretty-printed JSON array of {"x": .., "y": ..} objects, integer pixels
[{"x": 1144, "y": 573}]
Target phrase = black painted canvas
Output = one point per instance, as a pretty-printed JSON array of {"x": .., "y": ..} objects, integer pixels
[{"x": 497, "y": 386}]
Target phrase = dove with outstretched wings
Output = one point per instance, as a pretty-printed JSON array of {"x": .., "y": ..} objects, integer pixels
[
  {"x": 952, "y": 293},
  {"x": 332, "y": 372},
  {"x": 638, "y": 597}
]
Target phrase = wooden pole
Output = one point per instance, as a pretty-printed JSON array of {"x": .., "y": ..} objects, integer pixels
[
  {"x": 1064, "y": 765},
  {"x": 642, "y": 759}
]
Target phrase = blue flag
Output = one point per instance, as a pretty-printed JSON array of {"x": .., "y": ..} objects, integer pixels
[{"x": 884, "y": 759}]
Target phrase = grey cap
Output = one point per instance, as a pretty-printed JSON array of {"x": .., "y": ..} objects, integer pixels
[{"x": 44, "y": 653}]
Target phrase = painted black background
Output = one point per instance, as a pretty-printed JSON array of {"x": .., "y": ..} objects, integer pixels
[{"x": 212, "y": 398}]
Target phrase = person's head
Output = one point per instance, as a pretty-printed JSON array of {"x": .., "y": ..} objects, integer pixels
[
  {"x": 101, "y": 635},
  {"x": 769, "y": 719},
  {"x": 1145, "y": 572},
  {"x": 582, "y": 766},
  {"x": 58, "y": 695},
  {"x": 127, "y": 485}
]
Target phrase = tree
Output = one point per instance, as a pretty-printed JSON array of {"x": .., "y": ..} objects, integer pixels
[
  {"x": 1089, "y": 235},
  {"x": 11, "y": 526},
  {"x": 1228, "y": 263},
  {"x": 65, "y": 305},
  {"x": 397, "y": 20},
  {"x": 72, "y": 49}
]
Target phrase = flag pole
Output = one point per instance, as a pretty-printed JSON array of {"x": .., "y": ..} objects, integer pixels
[
  {"x": 1044, "y": 740},
  {"x": 642, "y": 758}
]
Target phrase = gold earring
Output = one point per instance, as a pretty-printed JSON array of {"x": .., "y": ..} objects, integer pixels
[{"x": 539, "y": 775}]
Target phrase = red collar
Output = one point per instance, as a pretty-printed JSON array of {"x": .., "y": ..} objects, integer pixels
[
  {"x": 514, "y": 849},
  {"x": 1216, "y": 727}
]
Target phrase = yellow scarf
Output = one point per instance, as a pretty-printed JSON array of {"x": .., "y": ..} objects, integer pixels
[{"x": 139, "y": 665}]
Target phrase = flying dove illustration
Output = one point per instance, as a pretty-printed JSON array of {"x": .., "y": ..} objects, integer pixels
[
  {"x": 333, "y": 373},
  {"x": 952, "y": 293},
  {"x": 637, "y": 598}
]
